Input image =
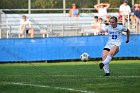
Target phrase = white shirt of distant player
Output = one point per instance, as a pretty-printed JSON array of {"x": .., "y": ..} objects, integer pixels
[
  {"x": 125, "y": 9},
  {"x": 26, "y": 23},
  {"x": 102, "y": 12},
  {"x": 97, "y": 25},
  {"x": 115, "y": 34}
]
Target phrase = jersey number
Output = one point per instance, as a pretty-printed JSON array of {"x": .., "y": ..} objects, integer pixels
[{"x": 114, "y": 36}]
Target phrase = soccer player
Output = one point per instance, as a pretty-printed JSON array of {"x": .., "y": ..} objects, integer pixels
[{"x": 112, "y": 47}]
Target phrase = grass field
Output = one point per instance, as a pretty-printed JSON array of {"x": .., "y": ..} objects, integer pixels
[{"x": 70, "y": 77}]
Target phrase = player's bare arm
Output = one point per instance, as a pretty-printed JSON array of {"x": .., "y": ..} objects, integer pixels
[{"x": 101, "y": 31}]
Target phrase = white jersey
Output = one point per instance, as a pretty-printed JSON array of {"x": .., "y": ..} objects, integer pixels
[
  {"x": 125, "y": 9},
  {"x": 102, "y": 13},
  {"x": 26, "y": 23},
  {"x": 115, "y": 34}
]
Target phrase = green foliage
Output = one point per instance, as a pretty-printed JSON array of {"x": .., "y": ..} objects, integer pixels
[
  {"x": 13, "y": 4},
  {"x": 46, "y": 4}
]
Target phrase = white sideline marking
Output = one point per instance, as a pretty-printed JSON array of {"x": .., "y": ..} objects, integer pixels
[
  {"x": 123, "y": 76},
  {"x": 96, "y": 76},
  {"x": 130, "y": 76},
  {"x": 88, "y": 77},
  {"x": 44, "y": 86}
]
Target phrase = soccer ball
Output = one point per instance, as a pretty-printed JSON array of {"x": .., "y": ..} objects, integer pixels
[{"x": 84, "y": 57}]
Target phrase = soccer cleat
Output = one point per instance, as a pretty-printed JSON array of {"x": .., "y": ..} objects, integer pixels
[
  {"x": 101, "y": 65},
  {"x": 107, "y": 74}
]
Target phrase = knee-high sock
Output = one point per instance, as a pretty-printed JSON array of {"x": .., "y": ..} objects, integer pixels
[
  {"x": 107, "y": 60},
  {"x": 106, "y": 68}
]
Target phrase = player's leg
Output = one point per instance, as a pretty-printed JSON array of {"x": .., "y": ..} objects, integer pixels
[
  {"x": 137, "y": 25},
  {"x": 106, "y": 70},
  {"x": 23, "y": 29},
  {"x": 111, "y": 53},
  {"x": 104, "y": 55},
  {"x": 132, "y": 18},
  {"x": 107, "y": 57},
  {"x": 31, "y": 31}
]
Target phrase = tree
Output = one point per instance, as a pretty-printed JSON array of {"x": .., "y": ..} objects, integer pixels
[
  {"x": 46, "y": 4},
  {"x": 13, "y": 4}
]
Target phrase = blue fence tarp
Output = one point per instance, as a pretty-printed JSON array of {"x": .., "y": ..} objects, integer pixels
[{"x": 62, "y": 48}]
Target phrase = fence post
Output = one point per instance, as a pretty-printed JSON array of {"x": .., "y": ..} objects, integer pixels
[
  {"x": 133, "y": 2},
  {"x": 64, "y": 6},
  {"x": 62, "y": 30},
  {"x": 29, "y": 6},
  {"x": 10, "y": 34},
  {"x": 98, "y": 1},
  {"x": 0, "y": 22},
  {"x": 8, "y": 31},
  {"x": 128, "y": 22},
  {"x": 139, "y": 27},
  {"x": 0, "y": 32},
  {"x": 0, "y": 16}
]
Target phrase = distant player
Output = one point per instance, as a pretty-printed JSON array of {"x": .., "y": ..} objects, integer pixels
[
  {"x": 112, "y": 47},
  {"x": 26, "y": 27}
]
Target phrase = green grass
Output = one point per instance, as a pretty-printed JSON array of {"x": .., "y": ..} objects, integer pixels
[{"x": 70, "y": 77}]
